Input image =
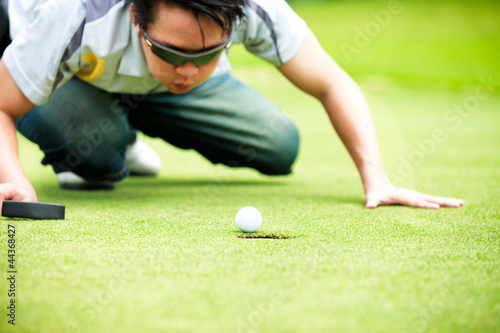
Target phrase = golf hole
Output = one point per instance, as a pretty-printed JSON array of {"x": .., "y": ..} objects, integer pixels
[{"x": 265, "y": 236}]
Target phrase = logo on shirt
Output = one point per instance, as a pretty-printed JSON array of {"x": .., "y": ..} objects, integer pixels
[{"x": 93, "y": 68}]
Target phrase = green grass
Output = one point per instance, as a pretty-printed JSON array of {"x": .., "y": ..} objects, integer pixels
[
  {"x": 162, "y": 254},
  {"x": 430, "y": 44}
]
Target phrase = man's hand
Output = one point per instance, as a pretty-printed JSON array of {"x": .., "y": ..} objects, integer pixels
[
  {"x": 391, "y": 195},
  {"x": 13, "y": 104},
  {"x": 9, "y": 191}
]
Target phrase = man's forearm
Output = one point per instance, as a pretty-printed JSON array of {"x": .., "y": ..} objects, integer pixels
[
  {"x": 351, "y": 117},
  {"x": 13, "y": 183},
  {"x": 313, "y": 71},
  {"x": 10, "y": 166},
  {"x": 13, "y": 105}
]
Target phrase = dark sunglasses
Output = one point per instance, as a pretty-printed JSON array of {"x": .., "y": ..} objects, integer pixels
[{"x": 177, "y": 58}]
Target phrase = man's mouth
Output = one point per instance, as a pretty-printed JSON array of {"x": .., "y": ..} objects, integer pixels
[{"x": 183, "y": 85}]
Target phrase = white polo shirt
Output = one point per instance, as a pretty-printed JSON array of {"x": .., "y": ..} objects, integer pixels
[{"x": 95, "y": 40}]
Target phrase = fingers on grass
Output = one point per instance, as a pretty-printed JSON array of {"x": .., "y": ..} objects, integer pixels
[
  {"x": 422, "y": 203},
  {"x": 452, "y": 203},
  {"x": 430, "y": 205},
  {"x": 442, "y": 201}
]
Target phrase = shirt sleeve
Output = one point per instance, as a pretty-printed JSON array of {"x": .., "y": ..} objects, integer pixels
[
  {"x": 271, "y": 30},
  {"x": 40, "y": 57}
]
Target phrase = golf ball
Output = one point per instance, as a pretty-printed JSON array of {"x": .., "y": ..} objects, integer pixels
[{"x": 248, "y": 219}]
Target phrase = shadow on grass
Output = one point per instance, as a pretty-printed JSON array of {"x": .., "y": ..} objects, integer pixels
[
  {"x": 264, "y": 235},
  {"x": 155, "y": 182},
  {"x": 153, "y": 189},
  {"x": 17, "y": 219},
  {"x": 158, "y": 189},
  {"x": 328, "y": 199}
]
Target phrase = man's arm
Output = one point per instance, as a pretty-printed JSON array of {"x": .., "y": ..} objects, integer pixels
[
  {"x": 316, "y": 73},
  {"x": 13, "y": 104}
]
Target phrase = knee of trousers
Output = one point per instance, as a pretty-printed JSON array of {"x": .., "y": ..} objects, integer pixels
[
  {"x": 90, "y": 150},
  {"x": 80, "y": 130},
  {"x": 279, "y": 155}
]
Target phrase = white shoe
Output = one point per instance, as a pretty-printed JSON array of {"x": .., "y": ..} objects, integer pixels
[
  {"x": 141, "y": 159},
  {"x": 71, "y": 181}
]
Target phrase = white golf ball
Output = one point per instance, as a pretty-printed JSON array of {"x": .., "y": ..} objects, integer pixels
[{"x": 248, "y": 219}]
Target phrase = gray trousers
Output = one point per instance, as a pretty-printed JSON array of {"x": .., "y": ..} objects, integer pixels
[{"x": 86, "y": 130}]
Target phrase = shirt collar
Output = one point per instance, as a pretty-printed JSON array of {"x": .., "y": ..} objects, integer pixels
[{"x": 133, "y": 62}]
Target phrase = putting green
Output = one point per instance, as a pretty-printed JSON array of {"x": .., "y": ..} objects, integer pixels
[{"x": 163, "y": 254}]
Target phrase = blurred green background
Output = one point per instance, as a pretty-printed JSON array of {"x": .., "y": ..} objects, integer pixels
[{"x": 446, "y": 44}]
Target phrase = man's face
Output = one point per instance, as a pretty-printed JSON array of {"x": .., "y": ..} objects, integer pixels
[{"x": 178, "y": 28}]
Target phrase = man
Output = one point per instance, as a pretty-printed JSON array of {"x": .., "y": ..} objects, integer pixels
[{"x": 79, "y": 81}]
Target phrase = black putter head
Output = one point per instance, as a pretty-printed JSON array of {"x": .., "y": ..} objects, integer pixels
[{"x": 33, "y": 210}]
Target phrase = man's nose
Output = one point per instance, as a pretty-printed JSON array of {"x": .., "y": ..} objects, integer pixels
[{"x": 187, "y": 70}]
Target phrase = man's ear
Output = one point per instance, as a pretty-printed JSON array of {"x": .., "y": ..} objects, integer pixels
[{"x": 133, "y": 13}]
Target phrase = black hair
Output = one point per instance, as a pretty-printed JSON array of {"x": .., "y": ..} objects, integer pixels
[{"x": 222, "y": 12}]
